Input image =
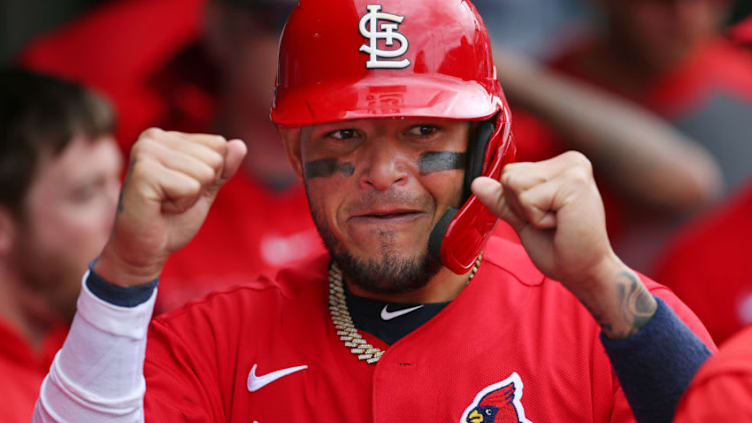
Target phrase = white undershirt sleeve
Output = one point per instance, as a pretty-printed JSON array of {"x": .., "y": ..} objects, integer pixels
[{"x": 97, "y": 376}]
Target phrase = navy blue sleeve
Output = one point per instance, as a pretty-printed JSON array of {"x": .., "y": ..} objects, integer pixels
[
  {"x": 655, "y": 365},
  {"x": 118, "y": 295}
]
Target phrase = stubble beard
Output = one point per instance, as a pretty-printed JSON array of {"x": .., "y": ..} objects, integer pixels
[
  {"x": 51, "y": 276},
  {"x": 392, "y": 273}
]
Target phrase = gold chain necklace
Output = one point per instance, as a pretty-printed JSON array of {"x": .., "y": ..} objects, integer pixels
[{"x": 343, "y": 322}]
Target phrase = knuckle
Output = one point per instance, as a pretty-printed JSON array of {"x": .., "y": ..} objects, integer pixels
[
  {"x": 145, "y": 147},
  {"x": 193, "y": 187},
  {"x": 211, "y": 141},
  {"x": 508, "y": 177},
  {"x": 152, "y": 132},
  {"x": 135, "y": 150},
  {"x": 526, "y": 199},
  {"x": 579, "y": 175},
  {"x": 578, "y": 159},
  {"x": 214, "y": 160},
  {"x": 140, "y": 170},
  {"x": 206, "y": 175},
  {"x": 218, "y": 140}
]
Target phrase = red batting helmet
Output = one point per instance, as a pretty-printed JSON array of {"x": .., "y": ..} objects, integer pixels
[{"x": 354, "y": 59}]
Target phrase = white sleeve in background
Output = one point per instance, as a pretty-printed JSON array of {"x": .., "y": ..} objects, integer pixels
[{"x": 98, "y": 374}]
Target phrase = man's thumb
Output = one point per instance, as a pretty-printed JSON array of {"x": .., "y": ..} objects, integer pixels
[{"x": 236, "y": 150}]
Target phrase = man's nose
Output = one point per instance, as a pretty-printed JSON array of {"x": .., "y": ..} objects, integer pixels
[{"x": 386, "y": 167}]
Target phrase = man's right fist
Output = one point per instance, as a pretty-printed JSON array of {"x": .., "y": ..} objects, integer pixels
[{"x": 172, "y": 181}]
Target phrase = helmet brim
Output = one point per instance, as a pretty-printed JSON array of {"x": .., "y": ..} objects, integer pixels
[{"x": 370, "y": 98}]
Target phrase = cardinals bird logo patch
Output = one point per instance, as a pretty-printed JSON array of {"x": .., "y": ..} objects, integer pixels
[{"x": 498, "y": 403}]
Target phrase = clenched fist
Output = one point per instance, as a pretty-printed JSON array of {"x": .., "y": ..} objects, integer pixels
[
  {"x": 172, "y": 181},
  {"x": 555, "y": 207}
]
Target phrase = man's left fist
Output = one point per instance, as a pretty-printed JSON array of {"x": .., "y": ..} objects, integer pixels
[{"x": 555, "y": 207}]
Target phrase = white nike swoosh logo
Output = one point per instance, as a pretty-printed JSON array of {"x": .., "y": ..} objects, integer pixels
[
  {"x": 389, "y": 315},
  {"x": 257, "y": 382}
]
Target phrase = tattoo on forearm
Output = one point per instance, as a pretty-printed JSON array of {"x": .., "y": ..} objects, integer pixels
[
  {"x": 122, "y": 188},
  {"x": 636, "y": 304},
  {"x": 323, "y": 168},
  {"x": 635, "y": 307},
  {"x": 438, "y": 161}
]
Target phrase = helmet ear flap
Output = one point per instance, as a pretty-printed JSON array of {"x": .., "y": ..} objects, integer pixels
[{"x": 476, "y": 153}]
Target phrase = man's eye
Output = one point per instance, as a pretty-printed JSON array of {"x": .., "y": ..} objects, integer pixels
[
  {"x": 423, "y": 130},
  {"x": 342, "y": 134}
]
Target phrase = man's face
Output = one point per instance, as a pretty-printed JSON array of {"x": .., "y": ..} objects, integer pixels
[
  {"x": 376, "y": 188},
  {"x": 663, "y": 32},
  {"x": 244, "y": 45},
  {"x": 68, "y": 217}
]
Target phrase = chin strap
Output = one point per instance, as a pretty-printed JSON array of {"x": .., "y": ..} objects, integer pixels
[
  {"x": 436, "y": 237},
  {"x": 459, "y": 235},
  {"x": 476, "y": 154}
]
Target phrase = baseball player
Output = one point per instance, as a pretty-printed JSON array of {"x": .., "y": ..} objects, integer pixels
[{"x": 392, "y": 114}]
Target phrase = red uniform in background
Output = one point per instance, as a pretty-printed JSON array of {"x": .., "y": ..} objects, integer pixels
[
  {"x": 708, "y": 264},
  {"x": 146, "y": 56},
  {"x": 23, "y": 368},
  {"x": 513, "y": 344},
  {"x": 126, "y": 50},
  {"x": 708, "y": 97},
  {"x": 722, "y": 389},
  {"x": 709, "y": 267}
]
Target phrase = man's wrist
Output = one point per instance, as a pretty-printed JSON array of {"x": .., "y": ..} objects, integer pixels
[
  {"x": 115, "y": 270},
  {"x": 131, "y": 296},
  {"x": 617, "y": 299}
]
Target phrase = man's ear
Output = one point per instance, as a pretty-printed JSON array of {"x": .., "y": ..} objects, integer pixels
[
  {"x": 292, "y": 138},
  {"x": 8, "y": 230}
]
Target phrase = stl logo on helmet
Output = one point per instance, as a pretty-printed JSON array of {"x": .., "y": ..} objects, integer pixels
[
  {"x": 371, "y": 28},
  {"x": 498, "y": 403}
]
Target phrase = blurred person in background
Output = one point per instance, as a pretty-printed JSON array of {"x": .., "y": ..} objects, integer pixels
[
  {"x": 534, "y": 28},
  {"x": 198, "y": 66},
  {"x": 639, "y": 153},
  {"x": 708, "y": 266},
  {"x": 59, "y": 180},
  {"x": 667, "y": 57},
  {"x": 708, "y": 263},
  {"x": 632, "y": 149}
]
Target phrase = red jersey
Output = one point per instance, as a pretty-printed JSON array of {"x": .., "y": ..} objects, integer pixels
[
  {"x": 708, "y": 267},
  {"x": 512, "y": 347},
  {"x": 722, "y": 389},
  {"x": 23, "y": 370}
]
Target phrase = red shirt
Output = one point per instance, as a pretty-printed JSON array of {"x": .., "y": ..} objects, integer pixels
[
  {"x": 510, "y": 329},
  {"x": 23, "y": 370},
  {"x": 709, "y": 267},
  {"x": 722, "y": 389}
]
